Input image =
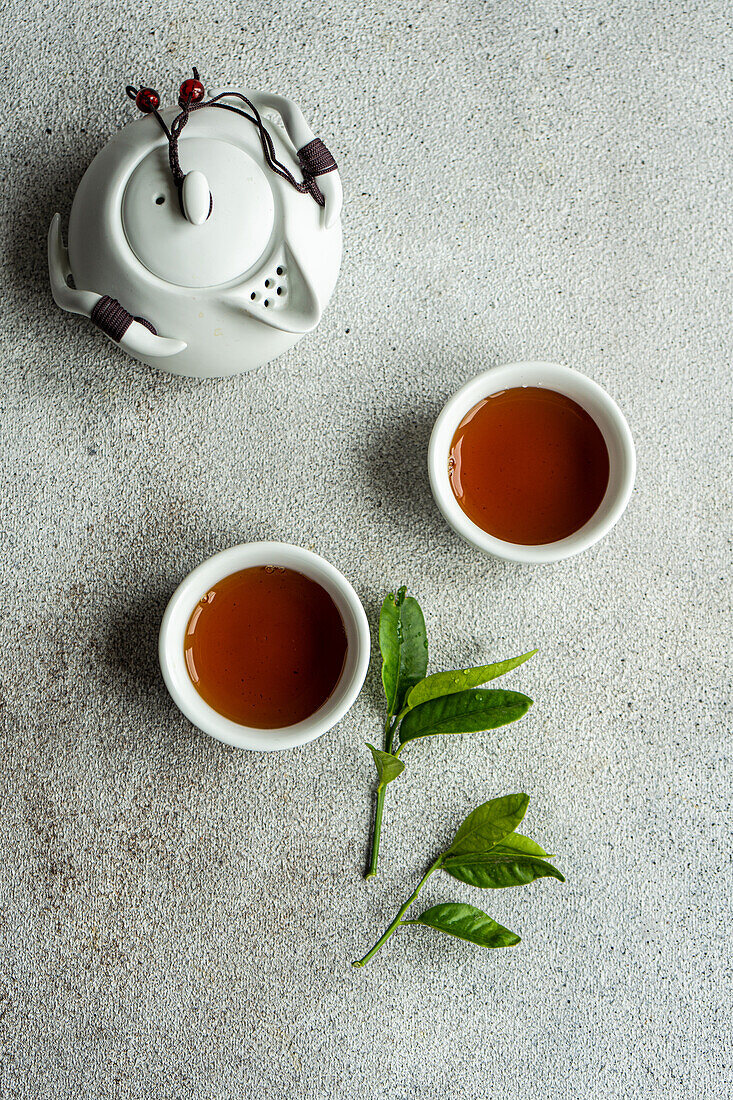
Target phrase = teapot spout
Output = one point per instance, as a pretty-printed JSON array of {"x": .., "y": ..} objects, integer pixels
[{"x": 301, "y": 311}]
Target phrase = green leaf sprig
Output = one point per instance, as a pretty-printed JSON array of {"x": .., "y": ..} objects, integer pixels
[
  {"x": 486, "y": 852},
  {"x": 420, "y": 706}
]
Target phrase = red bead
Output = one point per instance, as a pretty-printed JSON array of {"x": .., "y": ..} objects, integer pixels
[
  {"x": 147, "y": 100},
  {"x": 192, "y": 91}
]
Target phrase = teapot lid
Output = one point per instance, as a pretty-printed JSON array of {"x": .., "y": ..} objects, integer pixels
[{"x": 233, "y": 236}]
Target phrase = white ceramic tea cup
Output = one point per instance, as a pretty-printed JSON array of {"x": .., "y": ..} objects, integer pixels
[
  {"x": 179, "y": 611},
  {"x": 591, "y": 397}
]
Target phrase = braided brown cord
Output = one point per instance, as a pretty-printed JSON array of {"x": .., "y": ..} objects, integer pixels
[
  {"x": 114, "y": 320},
  {"x": 315, "y": 159},
  {"x": 111, "y": 317}
]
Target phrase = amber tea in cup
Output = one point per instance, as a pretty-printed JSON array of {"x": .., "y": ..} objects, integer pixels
[
  {"x": 265, "y": 647},
  {"x": 528, "y": 465}
]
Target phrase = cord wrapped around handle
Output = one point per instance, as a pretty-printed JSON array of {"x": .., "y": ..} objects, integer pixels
[
  {"x": 114, "y": 320},
  {"x": 315, "y": 160}
]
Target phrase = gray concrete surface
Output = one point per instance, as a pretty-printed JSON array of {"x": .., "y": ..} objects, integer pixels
[{"x": 547, "y": 180}]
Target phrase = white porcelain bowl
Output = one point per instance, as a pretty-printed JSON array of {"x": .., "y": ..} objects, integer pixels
[
  {"x": 595, "y": 401},
  {"x": 197, "y": 583}
]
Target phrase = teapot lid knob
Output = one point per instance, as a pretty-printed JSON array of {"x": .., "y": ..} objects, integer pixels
[{"x": 196, "y": 198}]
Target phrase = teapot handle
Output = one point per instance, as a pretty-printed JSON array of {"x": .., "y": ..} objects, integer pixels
[
  {"x": 138, "y": 339},
  {"x": 301, "y": 134}
]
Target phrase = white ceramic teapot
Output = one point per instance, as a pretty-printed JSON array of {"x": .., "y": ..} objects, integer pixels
[{"x": 204, "y": 241}]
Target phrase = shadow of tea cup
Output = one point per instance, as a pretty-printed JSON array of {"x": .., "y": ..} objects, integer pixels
[
  {"x": 206, "y": 588},
  {"x": 499, "y": 462}
]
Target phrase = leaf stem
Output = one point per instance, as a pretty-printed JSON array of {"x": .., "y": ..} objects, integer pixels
[
  {"x": 396, "y": 922},
  {"x": 389, "y": 731},
  {"x": 376, "y": 831}
]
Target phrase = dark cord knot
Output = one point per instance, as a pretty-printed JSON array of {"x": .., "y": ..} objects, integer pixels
[
  {"x": 114, "y": 320},
  {"x": 315, "y": 160}
]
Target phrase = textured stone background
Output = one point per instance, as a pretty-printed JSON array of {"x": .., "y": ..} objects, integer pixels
[{"x": 544, "y": 180}]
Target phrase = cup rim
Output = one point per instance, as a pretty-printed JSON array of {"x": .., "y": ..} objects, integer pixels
[
  {"x": 570, "y": 382},
  {"x": 189, "y": 592}
]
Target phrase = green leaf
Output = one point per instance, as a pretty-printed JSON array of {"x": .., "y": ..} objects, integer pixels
[
  {"x": 467, "y": 923},
  {"x": 404, "y": 646},
  {"x": 494, "y": 870},
  {"x": 515, "y": 842},
  {"x": 388, "y": 766},
  {"x": 465, "y": 712},
  {"x": 489, "y": 824},
  {"x": 462, "y": 679}
]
